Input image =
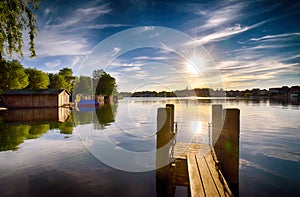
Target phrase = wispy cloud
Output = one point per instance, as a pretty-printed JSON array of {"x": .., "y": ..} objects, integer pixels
[
  {"x": 90, "y": 13},
  {"x": 69, "y": 35},
  {"x": 115, "y": 51},
  {"x": 275, "y": 36},
  {"x": 223, "y": 15},
  {"x": 53, "y": 64},
  {"x": 47, "y": 11},
  {"x": 57, "y": 44},
  {"x": 75, "y": 61},
  {"x": 223, "y": 34},
  {"x": 123, "y": 64},
  {"x": 248, "y": 73},
  {"x": 226, "y": 33},
  {"x": 149, "y": 58},
  {"x": 78, "y": 16},
  {"x": 218, "y": 16}
]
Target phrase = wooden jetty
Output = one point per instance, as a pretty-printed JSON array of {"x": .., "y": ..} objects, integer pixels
[{"x": 205, "y": 169}]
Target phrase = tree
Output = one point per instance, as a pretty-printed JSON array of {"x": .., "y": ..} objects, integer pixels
[
  {"x": 63, "y": 80},
  {"x": 83, "y": 85},
  {"x": 37, "y": 79},
  {"x": 57, "y": 81},
  {"x": 67, "y": 73},
  {"x": 104, "y": 83},
  {"x": 15, "y": 17},
  {"x": 12, "y": 75}
]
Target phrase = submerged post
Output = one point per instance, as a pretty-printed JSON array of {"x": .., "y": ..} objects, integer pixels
[
  {"x": 217, "y": 123},
  {"x": 230, "y": 141}
]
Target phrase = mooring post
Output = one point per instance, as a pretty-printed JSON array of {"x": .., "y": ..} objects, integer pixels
[
  {"x": 172, "y": 107},
  {"x": 163, "y": 126},
  {"x": 217, "y": 123},
  {"x": 230, "y": 140},
  {"x": 163, "y": 145}
]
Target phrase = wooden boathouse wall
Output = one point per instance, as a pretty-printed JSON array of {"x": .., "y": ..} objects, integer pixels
[{"x": 35, "y": 98}]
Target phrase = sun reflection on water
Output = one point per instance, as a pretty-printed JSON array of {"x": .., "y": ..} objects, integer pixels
[{"x": 196, "y": 127}]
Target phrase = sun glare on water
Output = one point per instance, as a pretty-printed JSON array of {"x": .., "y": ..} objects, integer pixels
[{"x": 196, "y": 127}]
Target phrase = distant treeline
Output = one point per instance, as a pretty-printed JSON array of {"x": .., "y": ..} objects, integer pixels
[
  {"x": 284, "y": 91},
  {"x": 153, "y": 94}
]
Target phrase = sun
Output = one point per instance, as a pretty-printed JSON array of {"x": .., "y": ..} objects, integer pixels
[{"x": 193, "y": 65}]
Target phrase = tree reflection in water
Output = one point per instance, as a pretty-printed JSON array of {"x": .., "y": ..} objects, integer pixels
[
  {"x": 100, "y": 117},
  {"x": 105, "y": 115},
  {"x": 14, "y": 132}
]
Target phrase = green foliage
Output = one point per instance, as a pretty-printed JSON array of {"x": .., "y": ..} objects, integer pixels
[
  {"x": 82, "y": 117},
  {"x": 17, "y": 17},
  {"x": 247, "y": 95},
  {"x": 104, "y": 83},
  {"x": 65, "y": 127},
  {"x": 37, "y": 130},
  {"x": 83, "y": 85},
  {"x": 37, "y": 79},
  {"x": 105, "y": 115},
  {"x": 57, "y": 81},
  {"x": 63, "y": 80},
  {"x": 67, "y": 73},
  {"x": 12, "y": 75},
  {"x": 12, "y": 135}
]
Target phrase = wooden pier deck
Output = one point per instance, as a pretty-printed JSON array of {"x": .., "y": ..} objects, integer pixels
[
  {"x": 196, "y": 167},
  {"x": 199, "y": 167}
]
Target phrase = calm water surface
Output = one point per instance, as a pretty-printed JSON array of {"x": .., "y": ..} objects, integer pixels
[{"x": 96, "y": 152}]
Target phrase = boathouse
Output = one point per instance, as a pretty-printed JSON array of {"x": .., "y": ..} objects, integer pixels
[{"x": 35, "y": 98}]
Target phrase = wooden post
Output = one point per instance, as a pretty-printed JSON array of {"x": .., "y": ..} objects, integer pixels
[
  {"x": 172, "y": 107},
  {"x": 163, "y": 136},
  {"x": 163, "y": 145},
  {"x": 217, "y": 123},
  {"x": 230, "y": 141}
]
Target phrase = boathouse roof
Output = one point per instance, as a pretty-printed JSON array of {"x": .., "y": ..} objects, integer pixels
[{"x": 34, "y": 92}]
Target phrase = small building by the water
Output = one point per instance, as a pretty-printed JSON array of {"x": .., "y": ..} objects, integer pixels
[{"x": 35, "y": 98}]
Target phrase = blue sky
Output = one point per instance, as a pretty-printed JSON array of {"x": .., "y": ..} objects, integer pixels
[{"x": 233, "y": 44}]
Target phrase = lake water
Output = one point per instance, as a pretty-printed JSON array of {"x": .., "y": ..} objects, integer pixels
[{"x": 111, "y": 151}]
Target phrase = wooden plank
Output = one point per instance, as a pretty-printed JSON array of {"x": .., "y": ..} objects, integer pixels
[
  {"x": 181, "y": 149},
  {"x": 196, "y": 186},
  {"x": 207, "y": 179},
  {"x": 219, "y": 180}
]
